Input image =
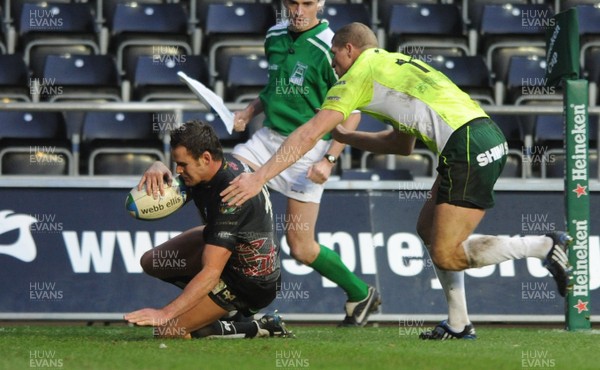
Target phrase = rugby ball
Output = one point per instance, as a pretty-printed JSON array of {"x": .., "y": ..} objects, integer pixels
[{"x": 144, "y": 207}]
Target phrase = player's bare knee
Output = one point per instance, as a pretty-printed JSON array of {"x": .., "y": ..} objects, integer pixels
[
  {"x": 300, "y": 255},
  {"x": 147, "y": 262},
  {"x": 445, "y": 261}
]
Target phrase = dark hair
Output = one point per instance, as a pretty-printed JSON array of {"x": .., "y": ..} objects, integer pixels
[{"x": 197, "y": 137}]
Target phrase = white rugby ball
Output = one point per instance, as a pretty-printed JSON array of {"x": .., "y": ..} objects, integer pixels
[{"x": 144, "y": 207}]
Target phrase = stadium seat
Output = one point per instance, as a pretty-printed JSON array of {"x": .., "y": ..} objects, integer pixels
[
  {"x": 513, "y": 168},
  {"x": 3, "y": 38},
  {"x": 119, "y": 143},
  {"x": 517, "y": 134},
  {"x": 154, "y": 80},
  {"x": 514, "y": 130},
  {"x": 420, "y": 163},
  {"x": 79, "y": 77},
  {"x": 589, "y": 30},
  {"x": 34, "y": 143},
  {"x": 233, "y": 29},
  {"x": 159, "y": 30},
  {"x": 382, "y": 9},
  {"x": 472, "y": 10},
  {"x": 49, "y": 28},
  {"x": 228, "y": 141},
  {"x": 592, "y": 74},
  {"x": 341, "y": 14},
  {"x": 567, "y": 4},
  {"x": 470, "y": 73},
  {"x": 511, "y": 29},
  {"x": 555, "y": 166},
  {"x": 353, "y": 157},
  {"x": 427, "y": 29},
  {"x": 14, "y": 79},
  {"x": 246, "y": 77},
  {"x": 526, "y": 81}
]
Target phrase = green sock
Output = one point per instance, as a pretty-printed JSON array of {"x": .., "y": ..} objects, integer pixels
[{"x": 330, "y": 265}]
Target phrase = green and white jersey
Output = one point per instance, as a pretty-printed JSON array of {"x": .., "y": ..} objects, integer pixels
[
  {"x": 405, "y": 93},
  {"x": 300, "y": 75}
]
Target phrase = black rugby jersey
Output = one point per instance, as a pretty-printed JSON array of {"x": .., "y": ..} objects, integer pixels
[{"x": 247, "y": 231}]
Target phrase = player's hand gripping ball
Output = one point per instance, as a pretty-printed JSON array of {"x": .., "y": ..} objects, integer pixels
[{"x": 144, "y": 207}]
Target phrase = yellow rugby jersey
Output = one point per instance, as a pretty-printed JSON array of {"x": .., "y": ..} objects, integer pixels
[{"x": 405, "y": 93}]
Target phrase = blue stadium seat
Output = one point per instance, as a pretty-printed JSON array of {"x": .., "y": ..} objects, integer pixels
[
  {"x": 148, "y": 29},
  {"x": 567, "y": 4},
  {"x": 513, "y": 128},
  {"x": 14, "y": 79},
  {"x": 246, "y": 77},
  {"x": 473, "y": 9},
  {"x": 512, "y": 29},
  {"x": 470, "y": 73},
  {"x": 383, "y": 8},
  {"x": 526, "y": 81},
  {"x": 157, "y": 80},
  {"x": 119, "y": 143},
  {"x": 589, "y": 30},
  {"x": 592, "y": 74},
  {"x": 228, "y": 141},
  {"x": 80, "y": 77},
  {"x": 48, "y": 28},
  {"x": 3, "y": 48},
  {"x": 34, "y": 143},
  {"x": 233, "y": 28},
  {"x": 341, "y": 14},
  {"x": 436, "y": 28}
]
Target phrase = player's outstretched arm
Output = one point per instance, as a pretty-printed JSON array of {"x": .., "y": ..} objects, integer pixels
[
  {"x": 154, "y": 179},
  {"x": 320, "y": 171},
  {"x": 304, "y": 138},
  {"x": 382, "y": 142}
]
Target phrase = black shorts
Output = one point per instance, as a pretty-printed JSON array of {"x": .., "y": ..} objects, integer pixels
[
  {"x": 470, "y": 164},
  {"x": 246, "y": 296}
]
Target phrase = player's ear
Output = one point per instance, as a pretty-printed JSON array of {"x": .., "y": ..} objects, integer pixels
[{"x": 206, "y": 157}]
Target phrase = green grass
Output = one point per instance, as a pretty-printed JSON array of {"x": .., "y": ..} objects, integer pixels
[{"x": 316, "y": 347}]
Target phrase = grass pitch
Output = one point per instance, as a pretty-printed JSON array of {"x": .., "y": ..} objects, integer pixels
[{"x": 315, "y": 347}]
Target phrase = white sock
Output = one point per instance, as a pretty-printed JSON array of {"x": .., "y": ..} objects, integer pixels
[
  {"x": 453, "y": 283},
  {"x": 489, "y": 250}
]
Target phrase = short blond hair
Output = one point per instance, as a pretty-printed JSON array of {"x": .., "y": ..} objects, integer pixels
[{"x": 357, "y": 34}]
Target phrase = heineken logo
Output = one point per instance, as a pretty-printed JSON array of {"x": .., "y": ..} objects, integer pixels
[
  {"x": 581, "y": 268},
  {"x": 579, "y": 135}
]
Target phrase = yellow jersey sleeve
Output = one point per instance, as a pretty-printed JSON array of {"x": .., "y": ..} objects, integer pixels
[{"x": 352, "y": 91}]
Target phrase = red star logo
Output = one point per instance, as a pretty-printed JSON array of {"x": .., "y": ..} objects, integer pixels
[
  {"x": 581, "y": 306},
  {"x": 581, "y": 190}
]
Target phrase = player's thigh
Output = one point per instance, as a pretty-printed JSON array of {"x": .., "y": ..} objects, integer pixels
[
  {"x": 186, "y": 247},
  {"x": 425, "y": 221}
]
